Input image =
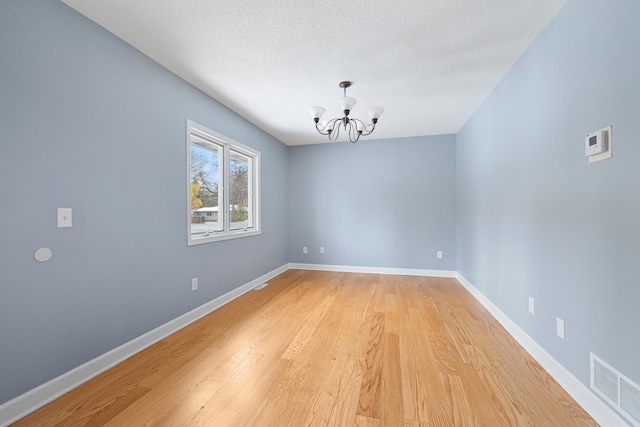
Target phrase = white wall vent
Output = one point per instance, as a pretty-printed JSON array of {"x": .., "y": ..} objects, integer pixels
[{"x": 616, "y": 389}]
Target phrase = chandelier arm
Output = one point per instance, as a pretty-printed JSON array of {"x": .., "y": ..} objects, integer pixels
[
  {"x": 369, "y": 131},
  {"x": 367, "y": 128},
  {"x": 333, "y": 136},
  {"x": 354, "y": 135},
  {"x": 320, "y": 131},
  {"x": 323, "y": 129}
]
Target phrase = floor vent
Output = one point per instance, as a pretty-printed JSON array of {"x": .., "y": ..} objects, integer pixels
[
  {"x": 262, "y": 286},
  {"x": 618, "y": 390}
]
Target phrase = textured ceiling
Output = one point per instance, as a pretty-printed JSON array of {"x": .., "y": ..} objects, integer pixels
[{"x": 429, "y": 63}]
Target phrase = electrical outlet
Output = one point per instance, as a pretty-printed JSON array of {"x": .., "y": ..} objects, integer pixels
[
  {"x": 439, "y": 254},
  {"x": 321, "y": 249},
  {"x": 305, "y": 250},
  {"x": 194, "y": 283},
  {"x": 560, "y": 327},
  {"x": 532, "y": 305}
]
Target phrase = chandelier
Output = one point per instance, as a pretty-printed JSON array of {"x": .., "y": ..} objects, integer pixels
[{"x": 355, "y": 127}]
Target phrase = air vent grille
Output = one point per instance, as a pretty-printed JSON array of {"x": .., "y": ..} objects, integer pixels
[
  {"x": 618, "y": 390},
  {"x": 605, "y": 380},
  {"x": 630, "y": 399}
]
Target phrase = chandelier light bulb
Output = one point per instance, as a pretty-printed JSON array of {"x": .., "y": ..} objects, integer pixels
[
  {"x": 375, "y": 113},
  {"x": 347, "y": 103},
  {"x": 316, "y": 112}
]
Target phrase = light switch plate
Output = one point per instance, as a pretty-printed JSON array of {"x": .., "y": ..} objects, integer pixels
[{"x": 64, "y": 217}]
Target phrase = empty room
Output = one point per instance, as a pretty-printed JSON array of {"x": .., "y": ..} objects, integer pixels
[{"x": 234, "y": 213}]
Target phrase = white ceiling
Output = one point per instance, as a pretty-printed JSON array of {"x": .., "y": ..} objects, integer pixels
[{"x": 429, "y": 63}]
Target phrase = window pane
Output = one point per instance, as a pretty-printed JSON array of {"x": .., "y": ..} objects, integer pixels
[
  {"x": 206, "y": 220},
  {"x": 239, "y": 191},
  {"x": 222, "y": 187}
]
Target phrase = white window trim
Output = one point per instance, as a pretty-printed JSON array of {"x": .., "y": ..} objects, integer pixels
[{"x": 254, "y": 177}]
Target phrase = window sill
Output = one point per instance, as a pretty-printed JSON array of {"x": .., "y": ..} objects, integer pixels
[{"x": 226, "y": 236}]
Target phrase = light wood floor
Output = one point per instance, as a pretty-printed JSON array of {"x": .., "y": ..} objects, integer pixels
[{"x": 330, "y": 349}]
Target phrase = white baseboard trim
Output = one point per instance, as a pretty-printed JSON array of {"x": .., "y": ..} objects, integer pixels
[
  {"x": 28, "y": 402},
  {"x": 598, "y": 410},
  {"x": 374, "y": 270}
]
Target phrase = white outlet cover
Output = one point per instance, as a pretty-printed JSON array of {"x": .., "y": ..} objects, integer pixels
[
  {"x": 560, "y": 327},
  {"x": 532, "y": 305}
]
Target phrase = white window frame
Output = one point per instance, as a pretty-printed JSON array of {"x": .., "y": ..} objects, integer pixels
[{"x": 227, "y": 145}]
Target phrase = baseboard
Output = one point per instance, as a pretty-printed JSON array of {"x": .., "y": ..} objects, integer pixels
[
  {"x": 374, "y": 270},
  {"x": 28, "y": 402},
  {"x": 598, "y": 410}
]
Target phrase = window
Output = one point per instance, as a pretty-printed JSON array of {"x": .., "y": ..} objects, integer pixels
[{"x": 222, "y": 184}]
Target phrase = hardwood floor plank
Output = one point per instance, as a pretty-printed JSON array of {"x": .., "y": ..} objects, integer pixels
[
  {"x": 308, "y": 329},
  {"x": 333, "y": 349},
  {"x": 420, "y": 380},
  {"x": 441, "y": 412},
  {"x": 369, "y": 402},
  {"x": 249, "y": 397},
  {"x": 105, "y": 413},
  {"x": 170, "y": 403},
  {"x": 337, "y": 402},
  {"x": 392, "y": 412},
  {"x": 480, "y": 398},
  {"x": 462, "y": 414},
  {"x": 427, "y": 367},
  {"x": 362, "y": 421}
]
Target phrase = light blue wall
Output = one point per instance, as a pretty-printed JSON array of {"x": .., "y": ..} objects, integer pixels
[
  {"x": 377, "y": 203},
  {"x": 90, "y": 123},
  {"x": 534, "y": 217}
]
